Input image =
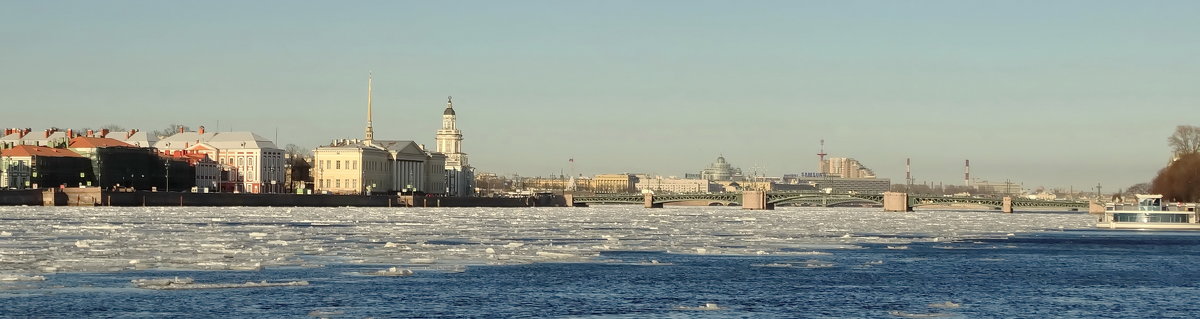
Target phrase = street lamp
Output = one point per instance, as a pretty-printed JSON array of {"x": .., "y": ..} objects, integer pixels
[{"x": 167, "y": 169}]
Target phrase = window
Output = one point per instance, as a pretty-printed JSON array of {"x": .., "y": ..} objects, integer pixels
[
  {"x": 339, "y": 164},
  {"x": 339, "y": 183}
]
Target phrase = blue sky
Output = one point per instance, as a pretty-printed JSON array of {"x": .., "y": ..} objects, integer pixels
[{"x": 1053, "y": 93}]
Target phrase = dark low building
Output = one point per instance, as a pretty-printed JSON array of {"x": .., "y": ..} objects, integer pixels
[
  {"x": 27, "y": 166},
  {"x": 120, "y": 165}
]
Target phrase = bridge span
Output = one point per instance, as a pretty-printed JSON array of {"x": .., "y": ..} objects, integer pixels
[{"x": 891, "y": 201}]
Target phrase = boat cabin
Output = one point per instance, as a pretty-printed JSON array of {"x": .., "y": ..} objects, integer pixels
[{"x": 1151, "y": 213}]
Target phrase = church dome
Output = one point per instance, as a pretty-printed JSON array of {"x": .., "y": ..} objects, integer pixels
[{"x": 449, "y": 111}]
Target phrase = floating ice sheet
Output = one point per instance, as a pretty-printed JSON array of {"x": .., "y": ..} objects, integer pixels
[{"x": 96, "y": 239}]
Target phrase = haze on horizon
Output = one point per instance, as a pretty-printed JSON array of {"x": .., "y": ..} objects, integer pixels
[{"x": 1062, "y": 93}]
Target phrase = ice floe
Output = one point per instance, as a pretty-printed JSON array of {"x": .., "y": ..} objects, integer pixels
[
  {"x": 392, "y": 272},
  {"x": 102, "y": 239},
  {"x": 188, "y": 283},
  {"x": 945, "y": 305},
  {"x": 704, "y": 307}
]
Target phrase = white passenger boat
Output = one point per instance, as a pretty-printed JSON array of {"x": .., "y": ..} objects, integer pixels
[{"x": 1150, "y": 213}]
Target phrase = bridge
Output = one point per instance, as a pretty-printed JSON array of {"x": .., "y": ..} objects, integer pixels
[{"x": 768, "y": 200}]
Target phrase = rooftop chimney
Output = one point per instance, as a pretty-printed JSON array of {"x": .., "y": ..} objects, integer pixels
[
  {"x": 103, "y": 132},
  {"x": 181, "y": 129},
  {"x": 91, "y": 133},
  {"x": 46, "y": 133},
  {"x": 70, "y": 133},
  {"x": 201, "y": 129},
  {"x": 130, "y": 134}
]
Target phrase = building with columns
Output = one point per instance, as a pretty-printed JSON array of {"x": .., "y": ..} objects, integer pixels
[
  {"x": 460, "y": 176},
  {"x": 371, "y": 166}
]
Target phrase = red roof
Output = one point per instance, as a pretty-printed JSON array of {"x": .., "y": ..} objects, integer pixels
[
  {"x": 30, "y": 150},
  {"x": 96, "y": 142}
]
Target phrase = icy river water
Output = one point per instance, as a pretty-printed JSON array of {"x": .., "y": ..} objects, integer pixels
[{"x": 598, "y": 262}]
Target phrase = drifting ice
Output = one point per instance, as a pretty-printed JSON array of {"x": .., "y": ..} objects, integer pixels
[
  {"x": 188, "y": 283},
  {"x": 91, "y": 239}
]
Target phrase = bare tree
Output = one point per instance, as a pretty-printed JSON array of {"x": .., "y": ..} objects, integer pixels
[
  {"x": 295, "y": 150},
  {"x": 171, "y": 130},
  {"x": 1186, "y": 140},
  {"x": 1179, "y": 181},
  {"x": 112, "y": 128},
  {"x": 1139, "y": 188}
]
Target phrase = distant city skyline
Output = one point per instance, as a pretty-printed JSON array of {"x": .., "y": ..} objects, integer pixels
[{"x": 1055, "y": 94}]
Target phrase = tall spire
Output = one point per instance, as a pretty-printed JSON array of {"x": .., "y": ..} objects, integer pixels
[{"x": 370, "y": 132}]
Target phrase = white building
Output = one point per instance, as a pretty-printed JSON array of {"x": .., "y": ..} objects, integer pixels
[
  {"x": 460, "y": 176},
  {"x": 54, "y": 137},
  {"x": 673, "y": 185},
  {"x": 48, "y": 138},
  {"x": 249, "y": 163}
]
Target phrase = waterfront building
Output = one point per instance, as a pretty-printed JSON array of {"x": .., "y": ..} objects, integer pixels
[
  {"x": 87, "y": 146},
  {"x": 1006, "y": 188},
  {"x": 845, "y": 168},
  {"x": 54, "y": 137},
  {"x": 535, "y": 184},
  {"x": 351, "y": 166},
  {"x": 249, "y": 163},
  {"x": 30, "y": 166},
  {"x": 203, "y": 172},
  {"x": 49, "y": 138},
  {"x": 460, "y": 176},
  {"x": 614, "y": 183},
  {"x": 839, "y": 184},
  {"x": 772, "y": 186},
  {"x": 118, "y": 164},
  {"x": 675, "y": 185},
  {"x": 298, "y": 173},
  {"x": 721, "y": 171},
  {"x": 132, "y": 137}
]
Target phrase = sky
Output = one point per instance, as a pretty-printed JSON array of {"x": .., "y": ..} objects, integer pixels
[{"x": 1044, "y": 93}]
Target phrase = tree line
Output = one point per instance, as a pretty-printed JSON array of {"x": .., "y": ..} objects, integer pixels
[{"x": 1180, "y": 180}]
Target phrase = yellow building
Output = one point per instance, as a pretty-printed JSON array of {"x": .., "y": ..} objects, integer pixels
[
  {"x": 377, "y": 166},
  {"x": 352, "y": 168},
  {"x": 614, "y": 183}
]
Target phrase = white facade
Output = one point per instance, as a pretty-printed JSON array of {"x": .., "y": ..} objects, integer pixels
[
  {"x": 249, "y": 163},
  {"x": 460, "y": 176},
  {"x": 660, "y": 185},
  {"x": 46, "y": 138},
  {"x": 354, "y": 167}
]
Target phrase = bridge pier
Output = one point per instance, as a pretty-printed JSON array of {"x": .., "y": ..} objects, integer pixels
[
  {"x": 756, "y": 200},
  {"x": 896, "y": 202},
  {"x": 569, "y": 200},
  {"x": 1006, "y": 206},
  {"x": 649, "y": 201}
]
